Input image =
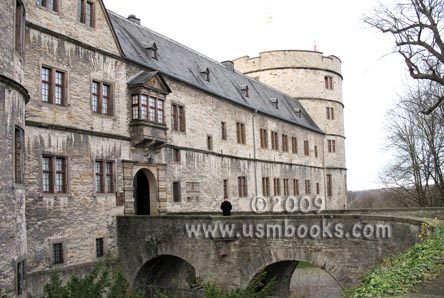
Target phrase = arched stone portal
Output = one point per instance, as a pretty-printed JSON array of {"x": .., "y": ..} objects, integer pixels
[
  {"x": 145, "y": 193},
  {"x": 166, "y": 271}
]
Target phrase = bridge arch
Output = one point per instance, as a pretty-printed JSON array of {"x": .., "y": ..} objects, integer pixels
[
  {"x": 165, "y": 271},
  {"x": 281, "y": 264}
]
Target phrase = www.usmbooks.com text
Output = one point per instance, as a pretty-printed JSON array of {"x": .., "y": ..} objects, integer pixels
[{"x": 288, "y": 229}]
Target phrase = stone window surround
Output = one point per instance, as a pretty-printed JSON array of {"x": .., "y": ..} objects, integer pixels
[
  {"x": 101, "y": 80},
  {"x": 50, "y": 64},
  {"x": 105, "y": 245},
  {"x": 180, "y": 129},
  {"x": 55, "y": 240},
  {"x": 17, "y": 262},
  {"x": 46, "y": 8},
  {"x": 67, "y": 175},
  {"x": 114, "y": 178},
  {"x": 81, "y": 18},
  {"x": 21, "y": 179}
]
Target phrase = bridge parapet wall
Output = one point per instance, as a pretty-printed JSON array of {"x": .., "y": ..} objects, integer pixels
[{"x": 233, "y": 260}]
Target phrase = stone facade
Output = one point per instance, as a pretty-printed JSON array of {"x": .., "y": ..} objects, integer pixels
[{"x": 150, "y": 168}]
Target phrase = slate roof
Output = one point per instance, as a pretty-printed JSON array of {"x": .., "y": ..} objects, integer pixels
[{"x": 182, "y": 63}]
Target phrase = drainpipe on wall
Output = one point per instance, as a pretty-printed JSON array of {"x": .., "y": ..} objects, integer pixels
[{"x": 254, "y": 152}]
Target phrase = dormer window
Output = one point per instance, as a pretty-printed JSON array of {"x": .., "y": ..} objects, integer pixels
[
  {"x": 244, "y": 90},
  {"x": 298, "y": 112},
  {"x": 205, "y": 74},
  {"x": 275, "y": 102},
  {"x": 152, "y": 49}
]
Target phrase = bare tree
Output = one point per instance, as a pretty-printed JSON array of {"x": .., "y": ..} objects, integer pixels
[
  {"x": 417, "y": 140},
  {"x": 417, "y": 27}
]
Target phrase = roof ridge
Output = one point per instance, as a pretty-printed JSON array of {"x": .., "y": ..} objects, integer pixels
[{"x": 167, "y": 38}]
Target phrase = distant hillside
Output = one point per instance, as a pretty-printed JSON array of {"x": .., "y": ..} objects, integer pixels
[{"x": 376, "y": 198}]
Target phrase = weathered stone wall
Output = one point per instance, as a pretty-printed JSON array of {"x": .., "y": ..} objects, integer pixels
[
  {"x": 12, "y": 194},
  {"x": 66, "y": 22}
]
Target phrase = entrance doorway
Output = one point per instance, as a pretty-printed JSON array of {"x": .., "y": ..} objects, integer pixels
[{"x": 141, "y": 193}]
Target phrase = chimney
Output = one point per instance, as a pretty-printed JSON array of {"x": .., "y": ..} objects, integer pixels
[
  {"x": 228, "y": 64},
  {"x": 134, "y": 19}
]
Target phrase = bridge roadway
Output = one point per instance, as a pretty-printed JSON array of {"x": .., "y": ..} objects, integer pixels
[{"x": 159, "y": 250}]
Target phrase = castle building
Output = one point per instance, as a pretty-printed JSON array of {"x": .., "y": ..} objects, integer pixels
[{"x": 122, "y": 120}]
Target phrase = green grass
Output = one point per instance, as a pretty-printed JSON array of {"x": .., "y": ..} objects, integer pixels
[{"x": 399, "y": 274}]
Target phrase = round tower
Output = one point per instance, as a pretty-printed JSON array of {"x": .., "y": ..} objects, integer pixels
[
  {"x": 13, "y": 98},
  {"x": 316, "y": 82}
]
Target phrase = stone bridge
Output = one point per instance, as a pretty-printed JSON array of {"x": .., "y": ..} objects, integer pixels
[{"x": 163, "y": 251}]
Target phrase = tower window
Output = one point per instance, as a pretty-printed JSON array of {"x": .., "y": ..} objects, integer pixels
[
  {"x": 19, "y": 151},
  {"x": 328, "y": 80},
  {"x": 330, "y": 113},
  {"x": 19, "y": 27},
  {"x": 331, "y": 146}
]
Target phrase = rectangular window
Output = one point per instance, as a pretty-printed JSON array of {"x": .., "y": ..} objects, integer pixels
[
  {"x": 100, "y": 247},
  {"x": 306, "y": 148},
  {"x": 329, "y": 186},
  {"x": 264, "y": 138},
  {"x": 54, "y": 174},
  {"x": 101, "y": 98},
  {"x": 178, "y": 117},
  {"x": 295, "y": 187},
  {"x": 307, "y": 187},
  {"x": 19, "y": 152},
  {"x": 176, "y": 155},
  {"x": 53, "y": 86},
  {"x": 277, "y": 186},
  {"x": 294, "y": 145},
  {"x": 274, "y": 140},
  {"x": 176, "y": 192},
  {"x": 223, "y": 127},
  {"x": 49, "y": 4},
  {"x": 86, "y": 13},
  {"x": 330, "y": 113},
  {"x": 210, "y": 143},
  {"x": 57, "y": 251},
  {"x": 225, "y": 188},
  {"x": 104, "y": 176},
  {"x": 284, "y": 143},
  {"x": 148, "y": 108},
  {"x": 318, "y": 191},
  {"x": 19, "y": 27},
  {"x": 265, "y": 186},
  {"x": 331, "y": 146},
  {"x": 242, "y": 186},
  {"x": 240, "y": 131},
  {"x": 328, "y": 82},
  {"x": 316, "y": 151},
  {"x": 286, "y": 188},
  {"x": 20, "y": 277}
]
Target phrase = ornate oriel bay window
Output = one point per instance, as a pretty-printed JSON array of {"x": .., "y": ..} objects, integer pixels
[
  {"x": 148, "y": 101},
  {"x": 148, "y": 108}
]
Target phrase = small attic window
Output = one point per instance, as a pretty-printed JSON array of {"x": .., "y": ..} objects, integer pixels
[
  {"x": 298, "y": 112},
  {"x": 275, "y": 102},
  {"x": 244, "y": 89},
  {"x": 152, "y": 49},
  {"x": 205, "y": 74}
]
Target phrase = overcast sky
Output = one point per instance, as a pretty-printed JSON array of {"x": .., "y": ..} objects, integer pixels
[{"x": 228, "y": 29}]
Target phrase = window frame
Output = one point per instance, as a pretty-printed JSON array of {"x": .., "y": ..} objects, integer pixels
[
  {"x": 148, "y": 108},
  {"x": 102, "y": 246},
  {"x": 19, "y": 155},
  {"x": 274, "y": 140},
  {"x": 307, "y": 187},
  {"x": 286, "y": 187},
  {"x": 52, "y": 174},
  {"x": 45, "y": 5},
  {"x": 104, "y": 176},
  {"x": 19, "y": 31},
  {"x": 266, "y": 186},
  {"x": 52, "y": 85},
  {"x": 210, "y": 143},
  {"x": 264, "y": 138},
  {"x": 82, "y": 13},
  {"x": 277, "y": 186},
  {"x": 242, "y": 186},
  {"x": 284, "y": 143},
  {"x": 178, "y": 117},
  {"x": 328, "y": 82},
  {"x": 296, "y": 190},
  {"x": 331, "y": 146},
  {"x": 225, "y": 187},
  {"x": 223, "y": 127},
  {"x": 177, "y": 193},
  {"x": 294, "y": 145},
  {"x": 100, "y": 97},
  {"x": 330, "y": 113},
  {"x": 329, "y": 185},
  {"x": 306, "y": 148},
  {"x": 240, "y": 133}
]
